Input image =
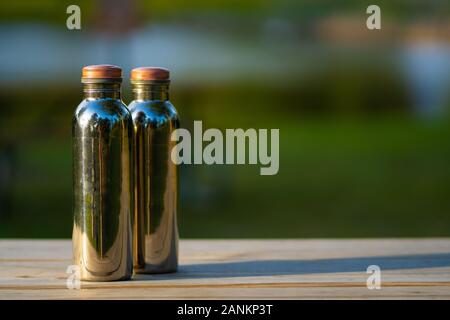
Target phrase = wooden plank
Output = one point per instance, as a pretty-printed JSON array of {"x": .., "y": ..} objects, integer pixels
[{"x": 244, "y": 269}]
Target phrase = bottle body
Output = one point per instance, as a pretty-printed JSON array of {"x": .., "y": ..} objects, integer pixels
[
  {"x": 155, "y": 229},
  {"x": 102, "y": 187}
]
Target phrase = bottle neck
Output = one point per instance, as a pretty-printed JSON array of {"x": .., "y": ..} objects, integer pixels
[
  {"x": 152, "y": 91},
  {"x": 111, "y": 90}
]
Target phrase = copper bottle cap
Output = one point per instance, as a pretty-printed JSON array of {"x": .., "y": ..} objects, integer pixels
[
  {"x": 150, "y": 74},
  {"x": 102, "y": 71}
]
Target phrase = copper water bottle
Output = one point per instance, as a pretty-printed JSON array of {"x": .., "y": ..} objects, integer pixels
[
  {"x": 155, "y": 231},
  {"x": 102, "y": 178}
]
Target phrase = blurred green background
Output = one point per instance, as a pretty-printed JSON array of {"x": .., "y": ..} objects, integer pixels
[{"x": 363, "y": 115}]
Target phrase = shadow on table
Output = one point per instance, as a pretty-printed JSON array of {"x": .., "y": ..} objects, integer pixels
[{"x": 298, "y": 267}]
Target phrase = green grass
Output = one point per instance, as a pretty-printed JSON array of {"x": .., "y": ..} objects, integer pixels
[{"x": 337, "y": 178}]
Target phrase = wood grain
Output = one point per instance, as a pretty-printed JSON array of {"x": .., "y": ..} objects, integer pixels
[{"x": 244, "y": 269}]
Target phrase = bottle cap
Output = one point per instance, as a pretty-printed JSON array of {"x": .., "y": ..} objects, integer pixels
[
  {"x": 102, "y": 71},
  {"x": 150, "y": 74}
]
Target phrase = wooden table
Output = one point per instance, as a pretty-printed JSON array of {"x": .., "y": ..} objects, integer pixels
[{"x": 244, "y": 269}]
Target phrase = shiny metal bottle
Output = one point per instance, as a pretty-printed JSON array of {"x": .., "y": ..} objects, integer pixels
[
  {"x": 155, "y": 231},
  {"x": 102, "y": 178}
]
